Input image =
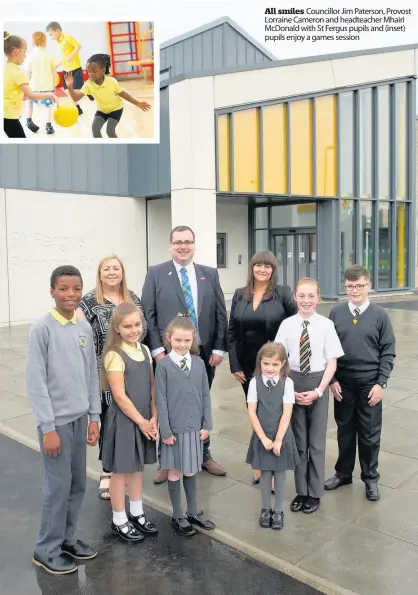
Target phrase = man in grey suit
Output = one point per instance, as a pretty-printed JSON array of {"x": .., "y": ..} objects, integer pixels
[{"x": 181, "y": 286}]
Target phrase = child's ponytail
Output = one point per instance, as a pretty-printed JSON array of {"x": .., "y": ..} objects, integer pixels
[
  {"x": 103, "y": 60},
  {"x": 12, "y": 42}
]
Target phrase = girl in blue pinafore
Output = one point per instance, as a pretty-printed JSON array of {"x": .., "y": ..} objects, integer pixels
[
  {"x": 131, "y": 420},
  {"x": 272, "y": 446}
]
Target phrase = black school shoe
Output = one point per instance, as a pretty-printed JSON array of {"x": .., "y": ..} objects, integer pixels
[
  {"x": 146, "y": 527},
  {"x": 31, "y": 125},
  {"x": 132, "y": 534},
  {"x": 310, "y": 505},
  {"x": 80, "y": 111},
  {"x": 265, "y": 518},
  {"x": 297, "y": 503},
  {"x": 183, "y": 527},
  {"x": 49, "y": 129},
  {"x": 61, "y": 564},
  {"x": 276, "y": 519},
  {"x": 201, "y": 521},
  {"x": 79, "y": 551}
]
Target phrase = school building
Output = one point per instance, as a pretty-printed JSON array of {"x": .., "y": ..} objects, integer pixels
[{"x": 313, "y": 158}]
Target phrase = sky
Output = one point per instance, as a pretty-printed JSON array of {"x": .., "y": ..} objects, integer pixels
[{"x": 176, "y": 17}]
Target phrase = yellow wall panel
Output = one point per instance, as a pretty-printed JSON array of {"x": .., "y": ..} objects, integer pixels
[
  {"x": 224, "y": 158},
  {"x": 326, "y": 145},
  {"x": 301, "y": 147},
  {"x": 274, "y": 149},
  {"x": 246, "y": 151}
]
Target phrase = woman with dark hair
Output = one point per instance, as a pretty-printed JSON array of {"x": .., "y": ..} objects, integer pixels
[{"x": 257, "y": 311}]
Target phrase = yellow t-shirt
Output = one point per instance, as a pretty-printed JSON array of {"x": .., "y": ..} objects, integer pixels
[
  {"x": 114, "y": 363},
  {"x": 105, "y": 94},
  {"x": 66, "y": 46},
  {"x": 14, "y": 77},
  {"x": 41, "y": 65}
]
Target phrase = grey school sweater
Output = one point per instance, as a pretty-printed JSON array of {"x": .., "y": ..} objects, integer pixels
[
  {"x": 182, "y": 398},
  {"x": 369, "y": 345},
  {"x": 61, "y": 373}
]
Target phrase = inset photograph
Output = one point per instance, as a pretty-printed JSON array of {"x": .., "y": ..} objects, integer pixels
[{"x": 75, "y": 81}]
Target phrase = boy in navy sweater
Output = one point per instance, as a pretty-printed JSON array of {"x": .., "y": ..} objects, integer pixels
[
  {"x": 63, "y": 385},
  {"x": 367, "y": 338}
]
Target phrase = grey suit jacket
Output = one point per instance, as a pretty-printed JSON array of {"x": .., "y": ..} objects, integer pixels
[{"x": 163, "y": 300}]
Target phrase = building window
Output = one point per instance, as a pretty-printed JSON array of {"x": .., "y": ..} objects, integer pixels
[
  {"x": 366, "y": 235},
  {"x": 348, "y": 235},
  {"x": 401, "y": 244},
  {"x": 301, "y": 147},
  {"x": 224, "y": 157},
  {"x": 365, "y": 146},
  {"x": 326, "y": 145},
  {"x": 383, "y": 141},
  {"x": 274, "y": 149},
  {"x": 246, "y": 151},
  {"x": 261, "y": 217},
  {"x": 261, "y": 240},
  {"x": 384, "y": 259},
  {"x": 401, "y": 140},
  {"x": 221, "y": 250},
  {"x": 287, "y": 216},
  {"x": 346, "y": 142}
]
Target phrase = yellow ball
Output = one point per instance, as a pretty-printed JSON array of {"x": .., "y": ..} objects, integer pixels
[{"x": 66, "y": 115}]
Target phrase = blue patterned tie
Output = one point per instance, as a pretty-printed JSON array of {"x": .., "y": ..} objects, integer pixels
[{"x": 185, "y": 285}]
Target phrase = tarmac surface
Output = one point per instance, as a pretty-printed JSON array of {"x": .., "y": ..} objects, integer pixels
[{"x": 164, "y": 565}]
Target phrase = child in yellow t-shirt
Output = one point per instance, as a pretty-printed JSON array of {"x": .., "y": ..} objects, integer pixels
[
  {"x": 41, "y": 67},
  {"x": 107, "y": 92},
  {"x": 16, "y": 86}
]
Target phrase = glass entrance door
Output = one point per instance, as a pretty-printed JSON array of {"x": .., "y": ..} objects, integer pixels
[{"x": 296, "y": 256}]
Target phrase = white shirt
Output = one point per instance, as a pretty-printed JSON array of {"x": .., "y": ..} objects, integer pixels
[
  {"x": 362, "y": 308},
  {"x": 323, "y": 339},
  {"x": 288, "y": 395},
  {"x": 191, "y": 272},
  {"x": 177, "y": 358}
]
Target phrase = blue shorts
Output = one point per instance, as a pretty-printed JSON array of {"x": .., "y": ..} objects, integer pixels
[{"x": 45, "y": 102}]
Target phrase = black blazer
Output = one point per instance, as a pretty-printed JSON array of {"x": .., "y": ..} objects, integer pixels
[
  {"x": 163, "y": 299},
  {"x": 279, "y": 307}
]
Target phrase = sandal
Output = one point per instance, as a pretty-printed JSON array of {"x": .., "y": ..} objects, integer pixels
[{"x": 104, "y": 493}]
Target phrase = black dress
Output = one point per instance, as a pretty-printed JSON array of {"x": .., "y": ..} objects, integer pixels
[{"x": 249, "y": 330}]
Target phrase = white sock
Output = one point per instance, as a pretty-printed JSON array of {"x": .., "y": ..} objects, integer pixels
[
  {"x": 136, "y": 509},
  {"x": 120, "y": 518}
]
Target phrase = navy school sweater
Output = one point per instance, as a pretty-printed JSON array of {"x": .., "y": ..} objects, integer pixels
[{"x": 369, "y": 345}]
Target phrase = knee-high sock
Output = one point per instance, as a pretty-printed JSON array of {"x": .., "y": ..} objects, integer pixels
[
  {"x": 189, "y": 484},
  {"x": 279, "y": 486},
  {"x": 265, "y": 486},
  {"x": 175, "y": 497}
]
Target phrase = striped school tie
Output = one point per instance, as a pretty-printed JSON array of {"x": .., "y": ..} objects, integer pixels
[
  {"x": 188, "y": 296},
  {"x": 305, "y": 349},
  {"x": 356, "y": 311},
  {"x": 270, "y": 384},
  {"x": 183, "y": 365}
]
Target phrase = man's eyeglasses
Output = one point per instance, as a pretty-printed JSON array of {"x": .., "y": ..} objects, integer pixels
[
  {"x": 179, "y": 243},
  {"x": 356, "y": 287}
]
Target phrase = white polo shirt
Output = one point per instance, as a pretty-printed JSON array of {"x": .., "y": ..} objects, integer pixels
[
  {"x": 178, "y": 358},
  {"x": 362, "y": 308},
  {"x": 323, "y": 339},
  {"x": 288, "y": 395}
]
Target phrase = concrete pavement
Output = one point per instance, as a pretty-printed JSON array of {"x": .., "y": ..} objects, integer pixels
[{"x": 350, "y": 544}]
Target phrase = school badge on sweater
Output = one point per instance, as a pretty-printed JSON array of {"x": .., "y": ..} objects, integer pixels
[{"x": 83, "y": 341}]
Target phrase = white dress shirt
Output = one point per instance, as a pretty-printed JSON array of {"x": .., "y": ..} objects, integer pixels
[
  {"x": 289, "y": 391},
  {"x": 362, "y": 308},
  {"x": 323, "y": 339},
  {"x": 178, "y": 358}
]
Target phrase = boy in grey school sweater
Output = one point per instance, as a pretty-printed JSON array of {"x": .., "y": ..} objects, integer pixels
[{"x": 63, "y": 385}]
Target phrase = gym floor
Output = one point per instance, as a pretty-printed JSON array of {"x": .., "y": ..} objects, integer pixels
[{"x": 134, "y": 122}]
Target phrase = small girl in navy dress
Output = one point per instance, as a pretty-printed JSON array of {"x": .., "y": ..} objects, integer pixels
[
  {"x": 272, "y": 446},
  {"x": 184, "y": 413},
  {"x": 131, "y": 420}
]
